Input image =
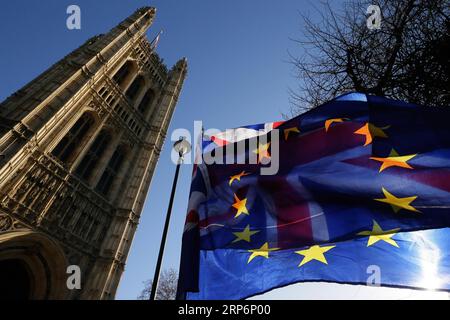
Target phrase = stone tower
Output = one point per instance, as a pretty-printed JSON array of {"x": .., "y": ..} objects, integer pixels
[{"x": 78, "y": 148}]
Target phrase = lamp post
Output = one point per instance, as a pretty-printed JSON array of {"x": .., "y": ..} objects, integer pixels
[{"x": 181, "y": 147}]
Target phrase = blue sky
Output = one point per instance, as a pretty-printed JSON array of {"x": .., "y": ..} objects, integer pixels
[{"x": 237, "y": 54}]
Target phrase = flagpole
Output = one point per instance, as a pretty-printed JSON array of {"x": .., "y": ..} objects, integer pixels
[
  {"x": 181, "y": 147},
  {"x": 155, "y": 41}
]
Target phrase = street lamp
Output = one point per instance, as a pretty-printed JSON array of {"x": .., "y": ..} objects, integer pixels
[{"x": 182, "y": 147}]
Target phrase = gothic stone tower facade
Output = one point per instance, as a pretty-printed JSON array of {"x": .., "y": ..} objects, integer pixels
[{"x": 78, "y": 147}]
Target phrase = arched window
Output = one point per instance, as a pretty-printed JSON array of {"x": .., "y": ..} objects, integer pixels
[
  {"x": 95, "y": 152},
  {"x": 111, "y": 171},
  {"x": 146, "y": 101},
  {"x": 65, "y": 150},
  {"x": 134, "y": 89},
  {"x": 123, "y": 73}
]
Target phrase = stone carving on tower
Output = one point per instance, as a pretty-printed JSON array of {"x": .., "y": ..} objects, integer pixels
[{"x": 78, "y": 148}]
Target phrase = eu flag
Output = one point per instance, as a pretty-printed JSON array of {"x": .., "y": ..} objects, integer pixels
[{"x": 362, "y": 183}]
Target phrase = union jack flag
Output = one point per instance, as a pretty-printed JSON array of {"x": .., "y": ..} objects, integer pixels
[{"x": 362, "y": 181}]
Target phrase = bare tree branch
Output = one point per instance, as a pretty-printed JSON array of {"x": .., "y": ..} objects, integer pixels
[
  {"x": 406, "y": 59},
  {"x": 167, "y": 288}
]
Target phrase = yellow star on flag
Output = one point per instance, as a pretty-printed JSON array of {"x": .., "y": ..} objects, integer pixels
[
  {"x": 314, "y": 253},
  {"x": 329, "y": 122},
  {"x": 398, "y": 203},
  {"x": 238, "y": 177},
  {"x": 394, "y": 160},
  {"x": 289, "y": 130},
  {"x": 378, "y": 234},
  {"x": 240, "y": 206},
  {"x": 261, "y": 252},
  {"x": 262, "y": 151},
  {"x": 369, "y": 130},
  {"x": 244, "y": 235}
]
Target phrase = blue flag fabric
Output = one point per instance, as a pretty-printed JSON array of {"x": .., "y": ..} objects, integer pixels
[{"x": 362, "y": 195}]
